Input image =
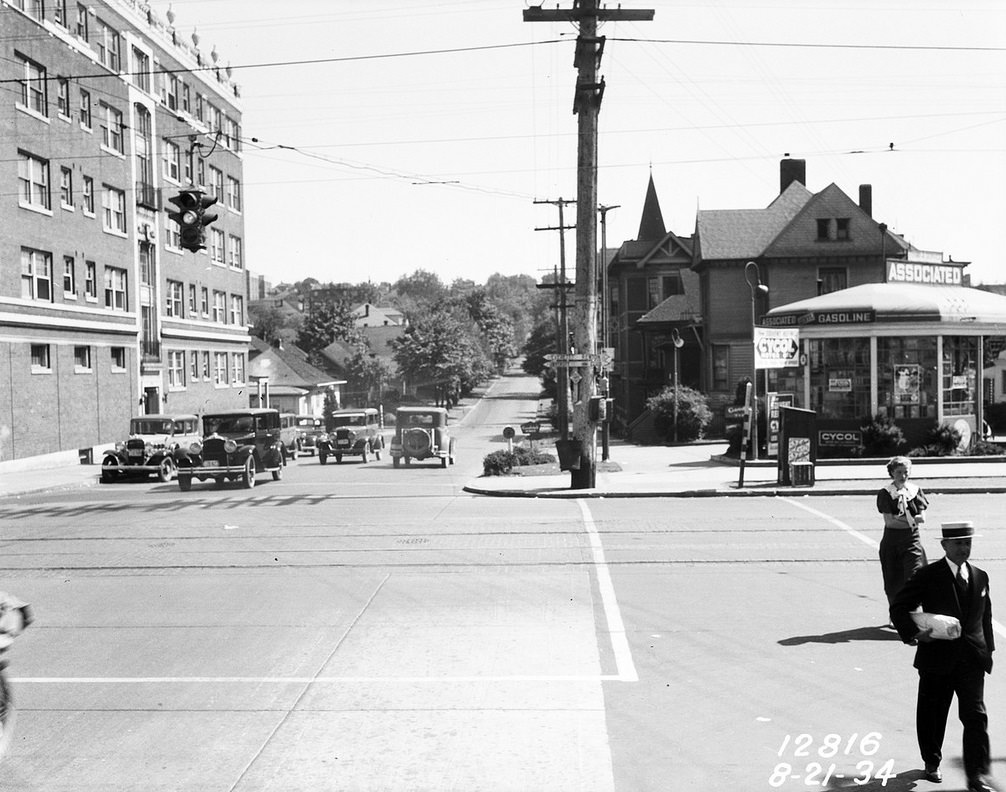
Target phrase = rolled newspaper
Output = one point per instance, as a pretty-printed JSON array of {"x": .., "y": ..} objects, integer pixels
[{"x": 944, "y": 628}]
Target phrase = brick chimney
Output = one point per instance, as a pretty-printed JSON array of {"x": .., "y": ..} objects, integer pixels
[
  {"x": 791, "y": 170},
  {"x": 866, "y": 198}
]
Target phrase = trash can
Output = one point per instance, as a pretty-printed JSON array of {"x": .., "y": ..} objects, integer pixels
[
  {"x": 801, "y": 474},
  {"x": 86, "y": 456},
  {"x": 570, "y": 452}
]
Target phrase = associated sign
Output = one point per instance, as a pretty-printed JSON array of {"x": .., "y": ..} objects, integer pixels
[
  {"x": 936, "y": 274},
  {"x": 776, "y": 347}
]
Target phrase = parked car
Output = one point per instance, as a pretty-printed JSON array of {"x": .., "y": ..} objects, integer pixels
[
  {"x": 311, "y": 427},
  {"x": 421, "y": 433},
  {"x": 289, "y": 435},
  {"x": 353, "y": 433},
  {"x": 150, "y": 447},
  {"x": 237, "y": 444}
]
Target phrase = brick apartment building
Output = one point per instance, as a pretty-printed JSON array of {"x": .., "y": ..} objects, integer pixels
[{"x": 107, "y": 112}]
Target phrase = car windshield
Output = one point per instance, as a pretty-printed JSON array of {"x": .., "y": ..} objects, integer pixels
[
  {"x": 349, "y": 420},
  {"x": 228, "y": 424},
  {"x": 309, "y": 422},
  {"x": 150, "y": 426}
]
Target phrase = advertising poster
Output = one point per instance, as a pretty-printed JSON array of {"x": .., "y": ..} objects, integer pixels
[
  {"x": 772, "y": 403},
  {"x": 906, "y": 384}
]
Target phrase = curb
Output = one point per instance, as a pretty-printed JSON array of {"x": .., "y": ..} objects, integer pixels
[{"x": 754, "y": 492}]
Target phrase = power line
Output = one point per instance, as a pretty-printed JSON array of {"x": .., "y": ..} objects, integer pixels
[{"x": 811, "y": 45}]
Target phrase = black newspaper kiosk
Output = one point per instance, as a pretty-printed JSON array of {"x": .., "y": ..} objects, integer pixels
[{"x": 797, "y": 447}]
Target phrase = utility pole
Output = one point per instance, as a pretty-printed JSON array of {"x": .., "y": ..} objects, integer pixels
[
  {"x": 586, "y": 105},
  {"x": 562, "y": 317},
  {"x": 605, "y": 318}
]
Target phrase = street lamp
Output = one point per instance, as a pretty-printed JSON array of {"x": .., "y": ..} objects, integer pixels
[
  {"x": 678, "y": 342},
  {"x": 757, "y": 287}
]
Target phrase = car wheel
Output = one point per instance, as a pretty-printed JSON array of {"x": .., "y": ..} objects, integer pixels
[
  {"x": 365, "y": 454},
  {"x": 248, "y": 477},
  {"x": 377, "y": 450},
  {"x": 277, "y": 474},
  {"x": 396, "y": 460},
  {"x": 166, "y": 471},
  {"x": 109, "y": 470},
  {"x": 322, "y": 457},
  {"x": 184, "y": 482}
]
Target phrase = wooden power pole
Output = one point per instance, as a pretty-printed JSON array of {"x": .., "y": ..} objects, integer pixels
[{"x": 585, "y": 362}]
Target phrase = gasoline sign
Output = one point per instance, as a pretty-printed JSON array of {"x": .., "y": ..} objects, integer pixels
[{"x": 776, "y": 347}]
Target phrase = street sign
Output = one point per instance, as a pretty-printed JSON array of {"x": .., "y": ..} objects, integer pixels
[
  {"x": 508, "y": 432},
  {"x": 776, "y": 347},
  {"x": 530, "y": 428}
]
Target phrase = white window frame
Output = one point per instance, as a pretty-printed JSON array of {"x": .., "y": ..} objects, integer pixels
[
  {"x": 87, "y": 196},
  {"x": 63, "y": 98},
  {"x": 174, "y": 299},
  {"x": 108, "y": 45},
  {"x": 34, "y": 88},
  {"x": 193, "y": 366},
  {"x": 207, "y": 371},
  {"x": 172, "y": 158},
  {"x": 113, "y": 204},
  {"x": 115, "y": 289},
  {"x": 237, "y": 309},
  {"x": 36, "y": 275},
  {"x": 90, "y": 281},
  {"x": 235, "y": 252},
  {"x": 220, "y": 307},
  {"x": 111, "y": 128},
  {"x": 66, "y": 188},
  {"x": 69, "y": 278},
  {"x": 86, "y": 117},
  {"x": 41, "y": 359},
  {"x": 237, "y": 368},
  {"x": 220, "y": 369},
  {"x": 82, "y": 359},
  {"x": 234, "y": 194},
  {"x": 118, "y": 356},
  {"x": 217, "y": 251},
  {"x": 176, "y": 369},
  {"x": 34, "y": 190}
]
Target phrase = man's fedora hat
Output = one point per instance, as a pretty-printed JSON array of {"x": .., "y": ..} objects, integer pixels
[{"x": 959, "y": 530}]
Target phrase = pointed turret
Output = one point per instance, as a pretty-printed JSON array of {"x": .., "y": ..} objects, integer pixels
[{"x": 651, "y": 224}]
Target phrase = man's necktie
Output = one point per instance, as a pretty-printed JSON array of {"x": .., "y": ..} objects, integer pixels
[{"x": 962, "y": 587}]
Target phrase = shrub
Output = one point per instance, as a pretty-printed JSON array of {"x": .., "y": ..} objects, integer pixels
[
  {"x": 694, "y": 414},
  {"x": 500, "y": 463},
  {"x": 940, "y": 441},
  {"x": 882, "y": 437},
  {"x": 985, "y": 448}
]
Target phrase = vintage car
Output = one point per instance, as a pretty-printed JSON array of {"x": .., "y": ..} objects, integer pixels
[
  {"x": 237, "y": 444},
  {"x": 150, "y": 447},
  {"x": 421, "y": 433},
  {"x": 311, "y": 428},
  {"x": 352, "y": 433},
  {"x": 289, "y": 435}
]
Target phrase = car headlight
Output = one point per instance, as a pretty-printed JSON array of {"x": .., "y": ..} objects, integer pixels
[
  {"x": 230, "y": 446},
  {"x": 148, "y": 449},
  {"x": 196, "y": 448},
  {"x": 120, "y": 446}
]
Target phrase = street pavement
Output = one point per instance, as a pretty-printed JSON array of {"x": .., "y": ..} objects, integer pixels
[{"x": 687, "y": 470}]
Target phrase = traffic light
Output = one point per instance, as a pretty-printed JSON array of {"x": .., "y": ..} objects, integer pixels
[{"x": 192, "y": 217}]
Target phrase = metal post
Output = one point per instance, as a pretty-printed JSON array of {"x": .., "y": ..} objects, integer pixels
[{"x": 757, "y": 287}]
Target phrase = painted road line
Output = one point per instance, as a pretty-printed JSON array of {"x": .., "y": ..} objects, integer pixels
[
  {"x": 996, "y": 625},
  {"x": 331, "y": 680},
  {"x": 616, "y": 628}
]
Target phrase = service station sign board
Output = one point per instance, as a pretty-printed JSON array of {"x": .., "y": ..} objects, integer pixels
[{"x": 776, "y": 347}]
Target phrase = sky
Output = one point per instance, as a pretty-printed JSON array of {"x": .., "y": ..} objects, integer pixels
[{"x": 385, "y": 136}]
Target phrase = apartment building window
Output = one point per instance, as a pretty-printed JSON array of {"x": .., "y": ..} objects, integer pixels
[
  {"x": 66, "y": 188},
  {"x": 200, "y": 107},
  {"x": 85, "y": 109},
  {"x": 82, "y": 31},
  {"x": 36, "y": 274},
  {"x": 174, "y": 297},
  {"x": 237, "y": 309},
  {"x": 176, "y": 368},
  {"x": 108, "y": 43},
  {"x": 217, "y": 183},
  {"x": 206, "y": 365},
  {"x": 187, "y": 161},
  {"x": 145, "y": 257},
  {"x": 81, "y": 359},
  {"x": 193, "y": 366},
  {"x": 193, "y": 309},
  {"x": 233, "y": 194},
  {"x": 219, "y": 368},
  {"x": 234, "y": 251},
  {"x": 30, "y": 7},
  {"x": 237, "y": 368},
  {"x": 141, "y": 69},
  {"x": 173, "y": 234},
  {"x": 171, "y": 91},
  {"x": 200, "y": 173},
  {"x": 721, "y": 367},
  {"x": 33, "y": 86},
  {"x": 87, "y": 193},
  {"x": 41, "y": 363},
  {"x": 219, "y": 307},
  {"x": 33, "y": 178},
  {"x": 115, "y": 289},
  {"x": 63, "y": 97},
  {"x": 111, "y": 128},
  {"x": 69, "y": 278},
  {"x": 832, "y": 279},
  {"x": 113, "y": 202},
  {"x": 91, "y": 281},
  {"x": 118, "y": 359},
  {"x": 213, "y": 118},
  {"x": 172, "y": 160},
  {"x": 186, "y": 99},
  {"x": 204, "y": 303},
  {"x": 59, "y": 12},
  {"x": 217, "y": 246}
]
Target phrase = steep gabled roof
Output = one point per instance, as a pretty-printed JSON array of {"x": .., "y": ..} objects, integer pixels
[
  {"x": 286, "y": 366},
  {"x": 651, "y": 224}
]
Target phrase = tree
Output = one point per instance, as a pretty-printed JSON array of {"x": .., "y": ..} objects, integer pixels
[
  {"x": 418, "y": 293},
  {"x": 326, "y": 321},
  {"x": 367, "y": 374},
  {"x": 268, "y": 322}
]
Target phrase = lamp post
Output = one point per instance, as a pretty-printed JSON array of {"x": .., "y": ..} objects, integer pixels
[
  {"x": 678, "y": 342},
  {"x": 757, "y": 287}
]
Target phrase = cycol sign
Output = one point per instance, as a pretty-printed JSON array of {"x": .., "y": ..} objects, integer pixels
[{"x": 776, "y": 347}]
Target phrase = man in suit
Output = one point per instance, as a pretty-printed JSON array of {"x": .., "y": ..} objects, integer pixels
[{"x": 951, "y": 666}]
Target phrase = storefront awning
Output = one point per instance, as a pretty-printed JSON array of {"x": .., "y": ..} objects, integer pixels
[{"x": 894, "y": 302}]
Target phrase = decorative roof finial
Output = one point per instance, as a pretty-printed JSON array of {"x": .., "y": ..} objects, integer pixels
[
  {"x": 195, "y": 37},
  {"x": 213, "y": 53},
  {"x": 171, "y": 15}
]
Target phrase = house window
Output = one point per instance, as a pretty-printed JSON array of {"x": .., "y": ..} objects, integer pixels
[
  {"x": 66, "y": 188},
  {"x": 237, "y": 309},
  {"x": 176, "y": 369},
  {"x": 832, "y": 279},
  {"x": 69, "y": 278},
  {"x": 63, "y": 97},
  {"x": 33, "y": 178},
  {"x": 111, "y": 128},
  {"x": 237, "y": 368},
  {"x": 81, "y": 359},
  {"x": 118, "y": 358},
  {"x": 33, "y": 86},
  {"x": 172, "y": 161},
  {"x": 219, "y": 307},
  {"x": 721, "y": 367},
  {"x": 91, "y": 280},
  {"x": 107, "y": 44},
  {"x": 842, "y": 228},
  {"x": 114, "y": 203},
  {"x": 85, "y": 109},
  {"x": 173, "y": 307},
  {"x": 87, "y": 193},
  {"x": 40, "y": 360},
  {"x": 823, "y": 226},
  {"x": 233, "y": 194},
  {"x": 141, "y": 69},
  {"x": 36, "y": 275},
  {"x": 234, "y": 257},
  {"x": 115, "y": 289},
  {"x": 219, "y": 368}
]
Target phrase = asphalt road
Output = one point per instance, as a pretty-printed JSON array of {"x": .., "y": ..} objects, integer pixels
[{"x": 357, "y": 627}]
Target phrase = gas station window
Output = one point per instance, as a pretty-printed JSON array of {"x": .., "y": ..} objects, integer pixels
[
  {"x": 906, "y": 381},
  {"x": 840, "y": 377},
  {"x": 959, "y": 374}
]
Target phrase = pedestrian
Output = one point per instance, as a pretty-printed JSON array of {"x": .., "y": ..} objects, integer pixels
[
  {"x": 903, "y": 505},
  {"x": 950, "y": 662}
]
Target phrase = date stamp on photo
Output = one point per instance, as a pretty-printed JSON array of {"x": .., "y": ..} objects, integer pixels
[{"x": 814, "y": 762}]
